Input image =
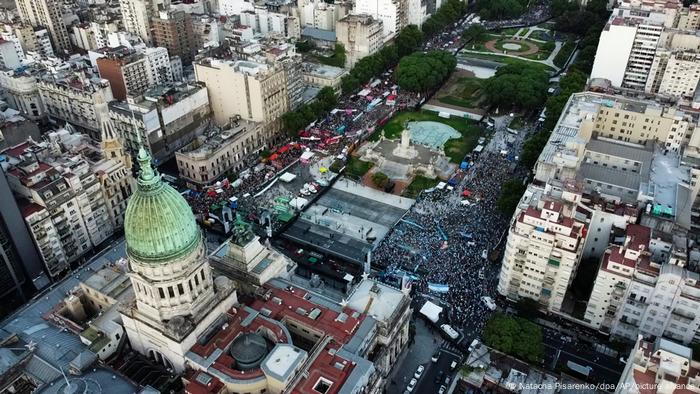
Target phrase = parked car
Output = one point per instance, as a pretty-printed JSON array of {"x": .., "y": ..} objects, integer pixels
[
  {"x": 438, "y": 377},
  {"x": 419, "y": 372},
  {"x": 411, "y": 385},
  {"x": 435, "y": 357},
  {"x": 442, "y": 390}
]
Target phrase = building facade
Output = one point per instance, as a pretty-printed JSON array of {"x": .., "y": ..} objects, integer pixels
[
  {"x": 392, "y": 13},
  {"x": 254, "y": 91},
  {"x": 361, "y": 35},
  {"x": 47, "y": 14},
  {"x": 543, "y": 249},
  {"x": 173, "y": 30},
  {"x": 207, "y": 159}
]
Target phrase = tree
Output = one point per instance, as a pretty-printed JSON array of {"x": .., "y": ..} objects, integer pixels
[
  {"x": 532, "y": 148},
  {"x": 380, "y": 179},
  {"x": 421, "y": 72},
  {"x": 515, "y": 336},
  {"x": 349, "y": 84},
  {"x": 548, "y": 46},
  {"x": 475, "y": 33},
  {"x": 408, "y": 40},
  {"x": 517, "y": 86},
  {"x": 511, "y": 191},
  {"x": 500, "y": 9}
]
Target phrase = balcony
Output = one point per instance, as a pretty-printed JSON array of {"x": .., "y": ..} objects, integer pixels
[{"x": 554, "y": 262}]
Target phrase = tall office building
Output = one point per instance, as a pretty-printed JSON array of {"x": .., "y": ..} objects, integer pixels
[
  {"x": 173, "y": 31},
  {"x": 137, "y": 14},
  {"x": 392, "y": 13},
  {"x": 46, "y": 13},
  {"x": 19, "y": 261}
]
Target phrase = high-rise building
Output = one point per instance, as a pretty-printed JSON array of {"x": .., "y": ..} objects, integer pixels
[
  {"x": 255, "y": 91},
  {"x": 9, "y": 57},
  {"x": 543, "y": 250},
  {"x": 48, "y": 14},
  {"x": 645, "y": 287},
  {"x": 137, "y": 14},
  {"x": 392, "y": 13},
  {"x": 321, "y": 15},
  {"x": 627, "y": 47},
  {"x": 164, "y": 119},
  {"x": 128, "y": 72},
  {"x": 20, "y": 264},
  {"x": 173, "y": 31},
  {"x": 361, "y": 35}
]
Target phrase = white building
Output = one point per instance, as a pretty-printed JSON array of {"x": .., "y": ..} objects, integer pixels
[
  {"x": 137, "y": 14},
  {"x": 543, "y": 249},
  {"x": 21, "y": 91},
  {"x": 392, "y": 13},
  {"x": 267, "y": 23},
  {"x": 235, "y": 7},
  {"x": 160, "y": 68},
  {"x": 644, "y": 288},
  {"x": 659, "y": 367},
  {"x": 627, "y": 47},
  {"x": 320, "y": 14},
  {"x": 9, "y": 57}
]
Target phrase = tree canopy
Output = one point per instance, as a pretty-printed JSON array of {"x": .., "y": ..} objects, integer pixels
[
  {"x": 515, "y": 336},
  {"x": 448, "y": 13},
  {"x": 421, "y": 72},
  {"x": 500, "y": 9},
  {"x": 474, "y": 33},
  {"x": 408, "y": 40},
  {"x": 517, "y": 86},
  {"x": 294, "y": 121}
]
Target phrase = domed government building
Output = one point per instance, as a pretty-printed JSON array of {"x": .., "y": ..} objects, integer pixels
[
  {"x": 175, "y": 297},
  {"x": 280, "y": 338}
]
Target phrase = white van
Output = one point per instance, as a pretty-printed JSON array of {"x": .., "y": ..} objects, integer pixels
[{"x": 488, "y": 301}]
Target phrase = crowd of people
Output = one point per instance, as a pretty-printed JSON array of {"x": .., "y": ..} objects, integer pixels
[{"x": 444, "y": 244}]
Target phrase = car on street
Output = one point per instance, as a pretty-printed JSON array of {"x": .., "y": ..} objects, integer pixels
[
  {"x": 411, "y": 385},
  {"x": 447, "y": 380},
  {"x": 453, "y": 365},
  {"x": 442, "y": 390},
  {"x": 419, "y": 372},
  {"x": 435, "y": 357},
  {"x": 489, "y": 302}
]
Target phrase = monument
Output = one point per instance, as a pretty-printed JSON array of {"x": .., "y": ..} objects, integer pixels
[{"x": 405, "y": 149}]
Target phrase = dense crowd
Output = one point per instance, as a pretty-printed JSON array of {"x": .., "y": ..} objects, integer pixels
[{"x": 442, "y": 241}]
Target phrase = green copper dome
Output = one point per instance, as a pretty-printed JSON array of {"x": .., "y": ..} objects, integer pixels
[{"x": 158, "y": 225}]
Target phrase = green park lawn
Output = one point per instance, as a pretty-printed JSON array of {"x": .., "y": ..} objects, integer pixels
[
  {"x": 419, "y": 184},
  {"x": 455, "y": 148},
  {"x": 357, "y": 168}
]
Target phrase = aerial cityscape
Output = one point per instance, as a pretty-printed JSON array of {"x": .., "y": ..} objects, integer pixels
[{"x": 349, "y": 196}]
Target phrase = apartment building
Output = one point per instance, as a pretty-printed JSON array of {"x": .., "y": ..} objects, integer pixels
[
  {"x": 611, "y": 119},
  {"x": 255, "y": 91},
  {"x": 160, "y": 66},
  {"x": 7, "y": 34},
  {"x": 9, "y": 57},
  {"x": 47, "y": 14},
  {"x": 392, "y": 13},
  {"x": 235, "y": 7},
  {"x": 674, "y": 74},
  {"x": 128, "y": 72},
  {"x": 221, "y": 150},
  {"x": 61, "y": 199},
  {"x": 20, "y": 91},
  {"x": 267, "y": 23},
  {"x": 71, "y": 97},
  {"x": 543, "y": 249},
  {"x": 321, "y": 15},
  {"x": 658, "y": 367},
  {"x": 173, "y": 30},
  {"x": 361, "y": 35},
  {"x": 163, "y": 120},
  {"x": 645, "y": 287},
  {"x": 137, "y": 14}
]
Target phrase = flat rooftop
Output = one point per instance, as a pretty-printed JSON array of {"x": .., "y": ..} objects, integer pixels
[{"x": 348, "y": 220}]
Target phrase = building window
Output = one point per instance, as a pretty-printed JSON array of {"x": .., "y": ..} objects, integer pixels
[
  {"x": 171, "y": 292},
  {"x": 161, "y": 292},
  {"x": 180, "y": 289}
]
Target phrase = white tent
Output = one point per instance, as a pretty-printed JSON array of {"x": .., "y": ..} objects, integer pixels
[
  {"x": 431, "y": 311},
  {"x": 287, "y": 177},
  {"x": 298, "y": 202},
  {"x": 307, "y": 155}
]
